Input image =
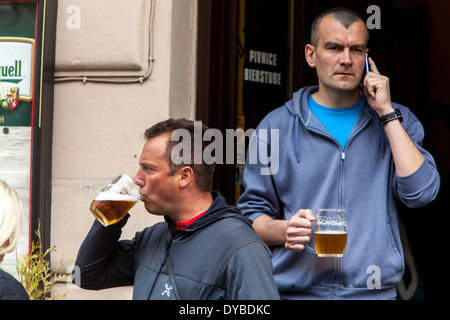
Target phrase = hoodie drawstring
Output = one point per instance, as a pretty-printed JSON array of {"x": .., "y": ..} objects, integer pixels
[
  {"x": 297, "y": 123},
  {"x": 166, "y": 255},
  {"x": 383, "y": 144},
  {"x": 296, "y": 139}
]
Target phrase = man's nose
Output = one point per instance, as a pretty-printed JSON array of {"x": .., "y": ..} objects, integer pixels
[
  {"x": 346, "y": 57},
  {"x": 138, "y": 180}
]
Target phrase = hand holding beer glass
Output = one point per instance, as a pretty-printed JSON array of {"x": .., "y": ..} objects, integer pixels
[
  {"x": 114, "y": 201},
  {"x": 330, "y": 232}
]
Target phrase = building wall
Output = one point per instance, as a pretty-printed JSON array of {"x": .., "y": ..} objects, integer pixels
[{"x": 98, "y": 127}]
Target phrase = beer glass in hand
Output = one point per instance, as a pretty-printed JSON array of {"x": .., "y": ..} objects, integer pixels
[
  {"x": 330, "y": 232},
  {"x": 114, "y": 201}
]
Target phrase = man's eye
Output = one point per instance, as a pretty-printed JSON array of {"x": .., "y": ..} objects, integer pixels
[{"x": 146, "y": 169}]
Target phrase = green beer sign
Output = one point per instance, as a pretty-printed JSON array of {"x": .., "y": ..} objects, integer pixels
[
  {"x": 17, "y": 57},
  {"x": 16, "y": 73}
]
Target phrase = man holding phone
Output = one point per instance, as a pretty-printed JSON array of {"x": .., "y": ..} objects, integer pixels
[{"x": 345, "y": 145}]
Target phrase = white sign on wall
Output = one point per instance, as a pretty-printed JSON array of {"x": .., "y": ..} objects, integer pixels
[{"x": 16, "y": 71}]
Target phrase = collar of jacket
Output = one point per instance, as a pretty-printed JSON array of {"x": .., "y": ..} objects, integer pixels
[
  {"x": 218, "y": 210},
  {"x": 299, "y": 108}
]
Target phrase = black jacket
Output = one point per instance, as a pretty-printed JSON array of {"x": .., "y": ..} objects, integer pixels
[
  {"x": 10, "y": 288},
  {"x": 219, "y": 256}
]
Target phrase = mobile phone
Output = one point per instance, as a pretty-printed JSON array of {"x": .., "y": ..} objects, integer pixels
[{"x": 367, "y": 62}]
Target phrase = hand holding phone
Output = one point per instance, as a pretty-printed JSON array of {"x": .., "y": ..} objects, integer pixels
[{"x": 377, "y": 89}]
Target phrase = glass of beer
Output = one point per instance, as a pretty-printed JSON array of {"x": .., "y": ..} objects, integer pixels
[
  {"x": 330, "y": 232},
  {"x": 114, "y": 201}
]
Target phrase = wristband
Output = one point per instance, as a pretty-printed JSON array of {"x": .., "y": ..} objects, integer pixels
[{"x": 390, "y": 117}]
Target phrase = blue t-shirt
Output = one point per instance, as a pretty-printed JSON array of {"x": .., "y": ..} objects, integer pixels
[{"x": 338, "y": 121}]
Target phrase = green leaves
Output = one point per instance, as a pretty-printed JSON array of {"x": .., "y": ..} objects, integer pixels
[{"x": 35, "y": 272}]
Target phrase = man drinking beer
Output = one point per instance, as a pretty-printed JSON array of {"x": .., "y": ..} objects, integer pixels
[{"x": 205, "y": 249}]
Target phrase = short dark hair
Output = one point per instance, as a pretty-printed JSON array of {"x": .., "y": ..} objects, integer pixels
[
  {"x": 203, "y": 172},
  {"x": 344, "y": 16}
]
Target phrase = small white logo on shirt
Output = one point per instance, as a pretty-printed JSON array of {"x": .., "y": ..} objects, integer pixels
[{"x": 167, "y": 291}]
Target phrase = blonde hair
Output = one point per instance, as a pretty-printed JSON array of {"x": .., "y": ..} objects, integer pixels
[{"x": 11, "y": 217}]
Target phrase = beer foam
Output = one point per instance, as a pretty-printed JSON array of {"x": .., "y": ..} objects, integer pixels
[
  {"x": 102, "y": 196},
  {"x": 331, "y": 232}
]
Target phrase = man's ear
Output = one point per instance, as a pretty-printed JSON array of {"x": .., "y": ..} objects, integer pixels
[
  {"x": 310, "y": 55},
  {"x": 186, "y": 175}
]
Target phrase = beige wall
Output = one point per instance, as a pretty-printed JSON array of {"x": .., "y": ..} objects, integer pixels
[{"x": 98, "y": 127}]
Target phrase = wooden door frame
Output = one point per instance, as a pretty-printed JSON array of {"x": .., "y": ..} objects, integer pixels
[{"x": 217, "y": 74}]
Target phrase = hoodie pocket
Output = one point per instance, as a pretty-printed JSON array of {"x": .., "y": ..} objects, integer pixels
[
  {"x": 384, "y": 268},
  {"x": 397, "y": 250},
  {"x": 374, "y": 262}
]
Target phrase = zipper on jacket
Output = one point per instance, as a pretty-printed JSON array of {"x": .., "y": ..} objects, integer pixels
[
  {"x": 337, "y": 268},
  {"x": 341, "y": 180}
]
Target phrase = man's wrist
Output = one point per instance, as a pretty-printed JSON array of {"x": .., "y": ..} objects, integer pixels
[
  {"x": 389, "y": 109},
  {"x": 388, "y": 117}
]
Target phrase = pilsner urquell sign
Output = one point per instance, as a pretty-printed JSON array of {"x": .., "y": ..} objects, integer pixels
[{"x": 16, "y": 72}]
